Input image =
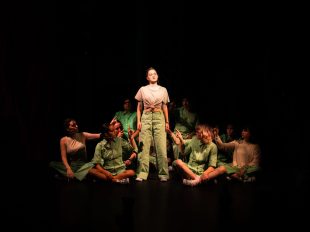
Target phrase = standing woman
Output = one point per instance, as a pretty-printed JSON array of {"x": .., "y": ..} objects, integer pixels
[{"x": 152, "y": 121}]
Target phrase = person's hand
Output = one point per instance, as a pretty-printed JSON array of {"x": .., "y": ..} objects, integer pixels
[
  {"x": 120, "y": 133},
  {"x": 139, "y": 126},
  {"x": 189, "y": 136},
  {"x": 167, "y": 126},
  {"x": 130, "y": 133},
  {"x": 127, "y": 162},
  {"x": 216, "y": 131},
  {"x": 169, "y": 131},
  {"x": 70, "y": 173},
  {"x": 178, "y": 135},
  {"x": 113, "y": 121}
]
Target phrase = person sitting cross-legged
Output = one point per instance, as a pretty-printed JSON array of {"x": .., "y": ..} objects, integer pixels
[
  {"x": 202, "y": 155},
  {"x": 246, "y": 158},
  {"x": 108, "y": 163}
]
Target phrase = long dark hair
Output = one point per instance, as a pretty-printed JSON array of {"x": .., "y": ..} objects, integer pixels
[{"x": 67, "y": 124}]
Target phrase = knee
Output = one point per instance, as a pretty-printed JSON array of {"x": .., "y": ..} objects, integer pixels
[
  {"x": 221, "y": 170},
  {"x": 131, "y": 173}
]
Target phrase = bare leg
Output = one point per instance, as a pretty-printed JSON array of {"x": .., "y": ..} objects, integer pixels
[
  {"x": 217, "y": 172},
  {"x": 124, "y": 174},
  {"x": 98, "y": 174},
  {"x": 186, "y": 171}
]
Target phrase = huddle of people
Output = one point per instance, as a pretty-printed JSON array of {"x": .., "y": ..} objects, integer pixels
[{"x": 126, "y": 143}]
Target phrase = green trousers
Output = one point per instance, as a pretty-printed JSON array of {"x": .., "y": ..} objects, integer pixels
[{"x": 153, "y": 126}]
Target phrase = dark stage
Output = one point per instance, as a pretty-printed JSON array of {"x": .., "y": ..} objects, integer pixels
[{"x": 237, "y": 63}]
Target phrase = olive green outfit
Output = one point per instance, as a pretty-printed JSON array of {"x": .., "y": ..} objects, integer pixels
[
  {"x": 201, "y": 156},
  {"x": 185, "y": 122},
  {"x": 111, "y": 155},
  {"x": 153, "y": 128}
]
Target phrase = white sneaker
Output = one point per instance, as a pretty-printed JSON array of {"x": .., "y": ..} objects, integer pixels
[
  {"x": 186, "y": 181},
  {"x": 124, "y": 181},
  {"x": 249, "y": 179},
  {"x": 192, "y": 183},
  {"x": 139, "y": 179},
  {"x": 163, "y": 179}
]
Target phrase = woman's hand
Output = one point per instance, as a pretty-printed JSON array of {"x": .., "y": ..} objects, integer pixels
[
  {"x": 70, "y": 173},
  {"x": 139, "y": 126},
  {"x": 120, "y": 134},
  {"x": 113, "y": 121},
  {"x": 215, "y": 132},
  {"x": 127, "y": 162},
  {"x": 167, "y": 126}
]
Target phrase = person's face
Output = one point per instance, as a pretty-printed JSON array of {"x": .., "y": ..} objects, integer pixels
[
  {"x": 127, "y": 105},
  {"x": 199, "y": 133},
  {"x": 245, "y": 134},
  {"x": 202, "y": 134},
  {"x": 229, "y": 130},
  {"x": 112, "y": 133},
  {"x": 73, "y": 127},
  {"x": 152, "y": 76},
  {"x": 185, "y": 103},
  {"x": 117, "y": 127}
]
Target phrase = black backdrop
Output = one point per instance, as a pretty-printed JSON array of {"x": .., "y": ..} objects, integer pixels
[{"x": 81, "y": 59}]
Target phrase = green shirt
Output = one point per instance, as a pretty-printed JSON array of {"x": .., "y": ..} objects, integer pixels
[
  {"x": 201, "y": 156},
  {"x": 128, "y": 119},
  {"x": 111, "y": 155}
]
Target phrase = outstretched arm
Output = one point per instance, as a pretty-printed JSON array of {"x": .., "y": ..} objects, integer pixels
[
  {"x": 173, "y": 136},
  {"x": 90, "y": 136}
]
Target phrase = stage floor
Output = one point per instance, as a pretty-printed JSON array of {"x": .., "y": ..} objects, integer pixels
[{"x": 37, "y": 202}]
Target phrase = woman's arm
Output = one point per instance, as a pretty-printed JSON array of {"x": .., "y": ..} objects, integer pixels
[
  {"x": 228, "y": 146},
  {"x": 63, "y": 152},
  {"x": 165, "y": 110},
  {"x": 181, "y": 144},
  {"x": 175, "y": 139},
  {"x": 90, "y": 136},
  {"x": 139, "y": 112}
]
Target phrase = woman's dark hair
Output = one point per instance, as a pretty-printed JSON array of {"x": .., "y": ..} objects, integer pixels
[
  {"x": 253, "y": 130},
  {"x": 105, "y": 128},
  {"x": 67, "y": 124}
]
